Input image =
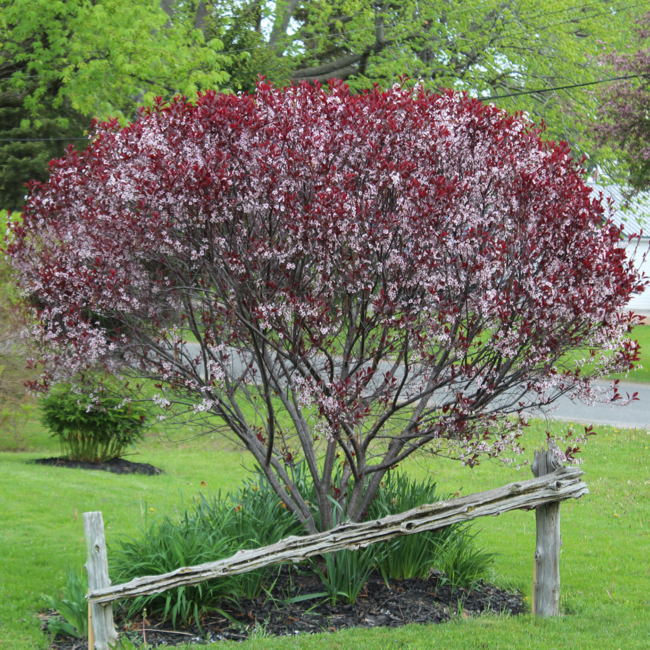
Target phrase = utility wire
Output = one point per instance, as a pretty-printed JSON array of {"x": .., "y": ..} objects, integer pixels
[
  {"x": 482, "y": 98},
  {"x": 329, "y": 37},
  {"x": 412, "y": 55},
  {"x": 548, "y": 90},
  {"x": 519, "y": 19},
  {"x": 516, "y": 19}
]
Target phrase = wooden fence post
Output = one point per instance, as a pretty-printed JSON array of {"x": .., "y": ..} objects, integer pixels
[
  {"x": 97, "y": 568},
  {"x": 546, "y": 576}
]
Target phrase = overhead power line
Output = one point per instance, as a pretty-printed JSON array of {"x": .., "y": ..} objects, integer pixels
[
  {"x": 523, "y": 31},
  {"x": 548, "y": 90},
  {"x": 517, "y": 19},
  {"x": 420, "y": 19}
]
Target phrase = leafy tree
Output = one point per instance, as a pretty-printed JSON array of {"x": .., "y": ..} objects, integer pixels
[
  {"x": 240, "y": 30},
  {"x": 363, "y": 277},
  {"x": 625, "y": 106},
  {"x": 16, "y": 407},
  {"x": 109, "y": 56},
  {"x": 485, "y": 47},
  {"x": 27, "y": 145},
  {"x": 63, "y": 63}
]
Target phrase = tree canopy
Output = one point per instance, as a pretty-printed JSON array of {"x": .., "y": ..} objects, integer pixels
[
  {"x": 68, "y": 62},
  {"x": 489, "y": 48},
  {"x": 362, "y": 276},
  {"x": 109, "y": 56}
]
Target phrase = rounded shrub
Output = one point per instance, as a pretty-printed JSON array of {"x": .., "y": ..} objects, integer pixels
[{"x": 92, "y": 428}]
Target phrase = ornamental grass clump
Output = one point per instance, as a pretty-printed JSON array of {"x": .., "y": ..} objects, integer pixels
[
  {"x": 165, "y": 545},
  {"x": 213, "y": 528},
  {"x": 412, "y": 556},
  {"x": 251, "y": 517},
  {"x": 92, "y": 428},
  {"x": 462, "y": 563},
  {"x": 71, "y": 606}
]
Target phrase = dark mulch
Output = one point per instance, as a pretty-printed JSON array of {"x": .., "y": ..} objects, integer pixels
[
  {"x": 404, "y": 602},
  {"x": 116, "y": 465}
]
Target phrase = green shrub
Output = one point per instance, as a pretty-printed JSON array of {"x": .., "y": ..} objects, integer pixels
[
  {"x": 14, "y": 415},
  {"x": 72, "y": 606},
  {"x": 16, "y": 406},
  {"x": 92, "y": 428}
]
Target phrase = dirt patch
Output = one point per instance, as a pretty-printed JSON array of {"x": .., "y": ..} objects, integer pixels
[
  {"x": 402, "y": 602},
  {"x": 116, "y": 465}
]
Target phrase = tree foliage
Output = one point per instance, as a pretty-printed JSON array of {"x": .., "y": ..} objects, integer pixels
[
  {"x": 362, "y": 276},
  {"x": 27, "y": 146},
  {"x": 63, "y": 63},
  {"x": 16, "y": 407},
  {"x": 107, "y": 56},
  {"x": 485, "y": 47},
  {"x": 626, "y": 105}
]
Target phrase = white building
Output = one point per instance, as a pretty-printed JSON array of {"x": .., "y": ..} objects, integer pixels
[{"x": 635, "y": 219}]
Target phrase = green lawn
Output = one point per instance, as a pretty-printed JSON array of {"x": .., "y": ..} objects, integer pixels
[
  {"x": 606, "y": 541},
  {"x": 642, "y": 372}
]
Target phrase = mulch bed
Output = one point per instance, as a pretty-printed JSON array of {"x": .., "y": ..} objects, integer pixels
[
  {"x": 404, "y": 602},
  {"x": 116, "y": 465}
]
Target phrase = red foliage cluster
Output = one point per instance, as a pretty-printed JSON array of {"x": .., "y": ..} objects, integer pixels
[{"x": 371, "y": 274}]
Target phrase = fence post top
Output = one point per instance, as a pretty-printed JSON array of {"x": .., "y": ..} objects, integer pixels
[{"x": 546, "y": 461}]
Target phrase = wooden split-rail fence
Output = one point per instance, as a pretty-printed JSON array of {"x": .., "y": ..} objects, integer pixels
[{"x": 544, "y": 493}]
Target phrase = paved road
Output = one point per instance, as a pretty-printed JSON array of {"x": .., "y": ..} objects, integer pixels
[{"x": 635, "y": 415}]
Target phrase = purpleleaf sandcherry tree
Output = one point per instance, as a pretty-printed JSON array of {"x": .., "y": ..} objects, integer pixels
[{"x": 339, "y": 280}]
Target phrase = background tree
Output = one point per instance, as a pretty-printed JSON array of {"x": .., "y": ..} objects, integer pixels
[
  {"x": 68, "y": 62},
  {"x": 27, "y": 145},
  {"x": 16, "y": 406},
  {"x": 488, "y": 48},
  {"x": 625, "y": 106},
  {"x": 364, "y": 277},
  {"x": 240, "y": 28},
  {"x": 61, "y": 64}
]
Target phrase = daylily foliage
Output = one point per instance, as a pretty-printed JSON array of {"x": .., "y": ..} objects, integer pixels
[{"x": 365, "y": 276}]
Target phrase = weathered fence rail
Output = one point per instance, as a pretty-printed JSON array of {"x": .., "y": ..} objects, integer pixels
[{"x": 544, "y": 491}]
